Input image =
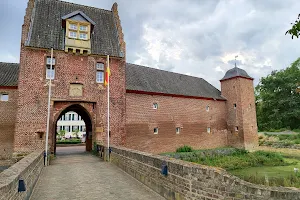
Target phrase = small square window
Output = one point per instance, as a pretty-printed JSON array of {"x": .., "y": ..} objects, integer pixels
[
  {"x": 177, "y": 130},
  {"x": 234, "y": 105},
  {"x": 100, "y": 66},
  {"x": 48, "y": 62},
  {"x": 73, "y": 26},
  {"x": 155, "y": 130},
  {"x": 72, "y": 34},
  {"x": 208, "y": 129},
  {"x": 4, "y": 97},
  {"x": 236, "y": 128},
  {"x": 207, "y": 108},
  {"x": 83, "y": 28},
  {"x": 155, "y": 106},
  {"x": 83, "y": 36}
]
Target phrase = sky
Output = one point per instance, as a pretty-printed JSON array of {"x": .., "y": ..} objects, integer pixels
[{"x": 195, "y": 37}]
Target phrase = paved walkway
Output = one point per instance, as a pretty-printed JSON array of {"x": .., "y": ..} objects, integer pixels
[{"x": 83, "y": 176}]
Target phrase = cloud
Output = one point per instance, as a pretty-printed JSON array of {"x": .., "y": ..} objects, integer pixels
[{"x": 196, "y": 37}]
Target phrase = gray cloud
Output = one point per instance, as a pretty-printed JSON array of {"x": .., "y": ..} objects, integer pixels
[{"x": 196, "y": 37}]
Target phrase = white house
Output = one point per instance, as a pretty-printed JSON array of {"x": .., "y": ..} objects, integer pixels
[{"x": 71, "y": 122}]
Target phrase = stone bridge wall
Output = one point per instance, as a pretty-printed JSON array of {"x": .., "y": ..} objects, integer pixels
[
  {"x": 28, "y": 169},
  {"x": 192, "y": 181}
]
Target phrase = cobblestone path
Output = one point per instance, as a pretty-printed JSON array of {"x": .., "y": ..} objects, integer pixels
[{"x": 83, "y": 176}]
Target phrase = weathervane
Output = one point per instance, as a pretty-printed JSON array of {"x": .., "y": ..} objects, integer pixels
[{"x": 235, "y": 60}]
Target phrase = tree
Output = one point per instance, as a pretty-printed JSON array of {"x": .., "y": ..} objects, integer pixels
[
  {"x": 295, "y": 30},
  {"x": 278, "y": 99},
  {"x": 61, "y": 134}
]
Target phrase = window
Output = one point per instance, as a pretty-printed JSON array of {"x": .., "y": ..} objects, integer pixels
[
  {"x": 74, "y": 128},
  {"x": 155, "y": 105},
  {"x": 62, "y": 128},
  {"x": 177, "y": 130},
  {"x": 208, "y": 129},
  {"x": 73, "y": 117},
  {"x": 50, "y": 73},
  {"x": 83, "y": 36},
  {"x": 67, "y": 129},
  {"x": 100, "y": 73},
  {"x": 4, "y": 97},
  {"x": 234, "y": 105},
  {"x": 83, "y": 28},
  {"x": 73, "y": 26},
  {"x": 70, "y": 117},
  {"x": 155, "y": 130},
  {"x": 236, "y": 128},
  {"x": 83, "y": 128},
  {"x": 80, "y": 128},
  {"x": 207, "y": 108},
  {"x": 72, "y": 34}
]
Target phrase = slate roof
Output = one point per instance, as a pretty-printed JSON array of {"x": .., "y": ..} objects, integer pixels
[
  {"x": 235, "y": 72},
  {"x": 9, "y": 74},
  {"x": 146, "y": 79},
  {"x": 46, "y": 30}
]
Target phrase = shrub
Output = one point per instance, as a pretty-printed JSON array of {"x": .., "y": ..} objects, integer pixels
[{"x": 184, "y": 148}]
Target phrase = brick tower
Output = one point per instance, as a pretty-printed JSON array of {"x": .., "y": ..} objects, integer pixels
[{"x": 237, "y": 88}]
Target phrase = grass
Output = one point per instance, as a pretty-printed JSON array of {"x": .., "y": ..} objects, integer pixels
[{"x": 266, "y": 166}]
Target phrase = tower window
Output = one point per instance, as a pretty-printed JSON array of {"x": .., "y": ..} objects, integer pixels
[
  {"x": 234, "y": 105},
  {"x": 4, "y": 97},
  {"x": 100, "y": 73},
  {"x": 208, "y": 129},
  {"x": 155, "y": 105},
  {"x": 155, "y": 130},
  {"x": 50, "y": 73},
  {"x": 207, "y": 108},
  {"x": 177, "y": 130},
  {"x": 236, "y": 128}
]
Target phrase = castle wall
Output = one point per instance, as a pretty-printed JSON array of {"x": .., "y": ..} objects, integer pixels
[
  {"x": 8, "y": 111},
  {"x": 187, "y": 113}
]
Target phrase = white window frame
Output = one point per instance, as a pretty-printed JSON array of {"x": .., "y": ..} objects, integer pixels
[
  {"x": 155, "y": 106},
  {"x": 4, "y": 95},
  {"x": 155, "y": 130},
  {"x": 178, "y": 130},
  {"x": 83, "y": 38},
  {"x": 100, "y": 72},
  {"x": 85, "y": 28},
  {"x": 73, "y": 36},
  {"x": 73, "y": 26},
  {"x": 50, "y": 74},
  {"x": 207, "y": 108},
  {"x": 208, "y": 130}
]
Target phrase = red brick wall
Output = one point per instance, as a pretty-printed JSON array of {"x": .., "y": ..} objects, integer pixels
[
  {"x": 172, "y": 112},
  {"x": 8, "y": 111},
  {"x": 69, "y": 68},
  {"x": 240, "y": 91}
]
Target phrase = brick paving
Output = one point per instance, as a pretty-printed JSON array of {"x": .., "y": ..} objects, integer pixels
[{"x": 83, "y": 176}]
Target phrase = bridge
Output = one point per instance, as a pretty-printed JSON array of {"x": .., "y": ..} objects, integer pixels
[
  {"x": 129, "y": 174},
  {"x": 75, "y": 174}
]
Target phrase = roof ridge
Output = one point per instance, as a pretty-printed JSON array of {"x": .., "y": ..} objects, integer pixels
[
  {"x": 166, "y": 71},
  {"x": 9, "y": 63},
  {"x": 77, "y": 4}
]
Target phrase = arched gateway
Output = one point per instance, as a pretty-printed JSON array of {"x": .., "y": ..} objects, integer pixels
[{"x": 85, "y": 110}]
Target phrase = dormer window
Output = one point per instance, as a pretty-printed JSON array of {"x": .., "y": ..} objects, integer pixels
[
  {"x": 72, "y": 34},
  {"x": 73, "y": 26},
  {"x": 83, "y": 28},
  {"x": 83, "y": 36}
]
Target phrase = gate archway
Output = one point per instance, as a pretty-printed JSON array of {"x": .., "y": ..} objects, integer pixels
[{"x": 85, "y": 116}]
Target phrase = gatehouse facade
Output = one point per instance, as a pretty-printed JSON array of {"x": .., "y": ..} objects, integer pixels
[{"x": 150, "y": 109}]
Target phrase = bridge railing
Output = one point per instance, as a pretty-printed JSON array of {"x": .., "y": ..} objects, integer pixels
[{"x": 17, "y": 181}]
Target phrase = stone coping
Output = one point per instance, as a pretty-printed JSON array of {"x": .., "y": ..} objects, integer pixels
[
  {"x": 186, "y": 169},
  {"x": 14, "y": 172}
]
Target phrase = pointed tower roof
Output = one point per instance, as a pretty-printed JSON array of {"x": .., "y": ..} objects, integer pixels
[{"x": 236, "y": 72}]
